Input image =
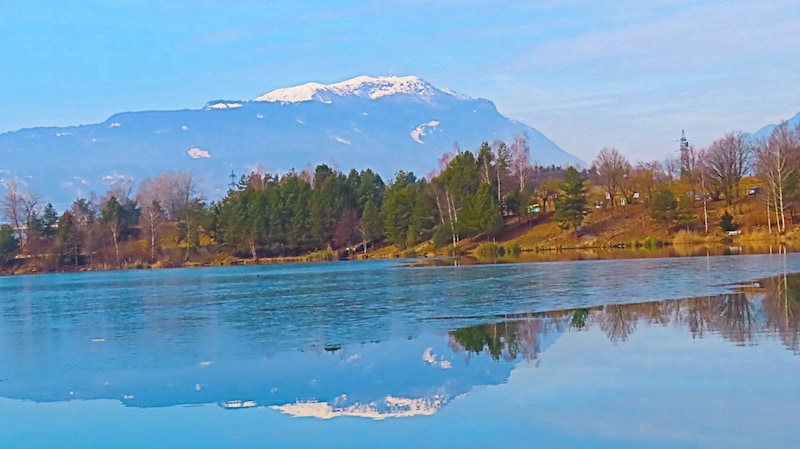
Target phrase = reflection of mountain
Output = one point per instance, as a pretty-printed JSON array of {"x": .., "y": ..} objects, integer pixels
[
  {"x": 398, "y": 377},
  {"x": 50, "y": 351},
  {"x": 387, "y": 407}
]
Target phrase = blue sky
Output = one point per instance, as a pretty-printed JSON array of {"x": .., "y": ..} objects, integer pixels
[{"x": 588, "y": 74}]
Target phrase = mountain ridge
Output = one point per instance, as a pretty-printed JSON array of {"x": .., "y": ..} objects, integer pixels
[{"x": 383, "y": 123}]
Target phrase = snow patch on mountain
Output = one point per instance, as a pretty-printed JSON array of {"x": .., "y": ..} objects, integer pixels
[
  {"x": 457, "y": 95},
  {"x": 197, "y": 153},
  {"x": 423, "y": 130},
  {"x": 361, "y": 86}
]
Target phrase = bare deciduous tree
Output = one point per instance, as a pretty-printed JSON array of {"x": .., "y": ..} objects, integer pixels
[
  {"x": 612, "y": 167},
  {"x": 169, "y": 196},
  {"x": 520, "y": 164},
  {"x": 726, "y": 161},
  {"x": 502, "y": 157},
  {"x": 13, "y": 207},
  {"x": 776, "y": 165},
  {"x": 548, "y": 191},
  {"x": 648, "y": 178}
]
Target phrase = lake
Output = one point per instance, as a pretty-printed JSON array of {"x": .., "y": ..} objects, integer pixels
[{"x": 664, "y": 352}]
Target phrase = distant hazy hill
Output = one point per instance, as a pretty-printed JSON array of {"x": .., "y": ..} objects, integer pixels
[
  {"x": 384, "y": 123},
  {"x": 765, "y": 132}
]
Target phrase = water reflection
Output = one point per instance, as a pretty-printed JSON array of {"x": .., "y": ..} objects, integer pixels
[
  {"x": 624, "y": 253},
  {"x": 395, "y": 377},
  {"x": 757, "y": 312}
]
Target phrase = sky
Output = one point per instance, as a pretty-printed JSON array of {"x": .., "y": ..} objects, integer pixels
[{"x": 588, "y": 74}]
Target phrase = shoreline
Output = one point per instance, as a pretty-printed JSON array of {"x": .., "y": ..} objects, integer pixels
[{"x": 535, "y": 255}]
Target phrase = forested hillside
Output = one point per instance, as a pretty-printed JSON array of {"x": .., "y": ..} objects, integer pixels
[{"x": 474, "y": 195}]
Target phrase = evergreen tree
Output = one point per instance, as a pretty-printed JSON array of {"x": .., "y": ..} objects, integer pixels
[
  {"x": 9, "y": 244},
  {"x": 422, "y": 216},
  {"x": 685, "y": 211},
  {"x": 664, "y": 206},
  {"x": 483, "y": 214},
  {"x": 726, "y": 222},
  {"x": 113, "y": 217},
  {"x": 69, "y": 239},
  {"x": 370, "y": 226},
  {"x": 49, "y": 221},
  {"x": 398, "y": 206},
  {"x": 571, "y": 204}
]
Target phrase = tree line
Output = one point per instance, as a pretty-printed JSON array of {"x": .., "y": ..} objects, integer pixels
[{"x": 472, "y": 193}]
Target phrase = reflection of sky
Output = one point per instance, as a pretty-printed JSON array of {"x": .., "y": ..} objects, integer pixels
[
  {"x": 422, "y": 368},
  {"x": 661, "y": 388}
]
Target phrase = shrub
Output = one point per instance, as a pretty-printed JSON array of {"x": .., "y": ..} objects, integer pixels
[
  {"x": 409, "y": 253},
  {"x": 320, "y": 256},
  {"x": 652, "y": 242},
  {"x": 684, "y": 237},
  {"x": 514, "y": 249},
  {"x": 490, "y": 250}
]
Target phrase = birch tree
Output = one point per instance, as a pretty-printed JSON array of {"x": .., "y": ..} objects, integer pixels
[
  {"x": 13, "y": 207},
  {"x": 520, "y": 162},
  {"x": 776, "y": 165}
]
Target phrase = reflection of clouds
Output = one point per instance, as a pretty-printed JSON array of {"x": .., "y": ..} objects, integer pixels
[
  {"x": 387, "y": 407},
  {"x": 431, "y": 359}
]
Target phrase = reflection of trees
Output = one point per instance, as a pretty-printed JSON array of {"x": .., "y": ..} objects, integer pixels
[
  {"x": 507, "y": 340},
  {"x": 739, "y": 317},
  {"x": 618, "y": 322},
  {"x": 736, "y": 318},
  {"x": 579, "y": 317},
  {"x": 781, "y": 305}
]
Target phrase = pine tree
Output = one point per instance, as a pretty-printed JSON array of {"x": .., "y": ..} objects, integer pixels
[
  {"x": 9, "y": 244},
  {"x": 571, "y": 204},
  {"x": 663, "y": 208}
]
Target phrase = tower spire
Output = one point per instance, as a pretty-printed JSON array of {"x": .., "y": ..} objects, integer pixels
[{"x": 685, "y": 156}]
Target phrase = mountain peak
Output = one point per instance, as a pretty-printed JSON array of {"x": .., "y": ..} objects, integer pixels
[{"x": 362, "y": 86}]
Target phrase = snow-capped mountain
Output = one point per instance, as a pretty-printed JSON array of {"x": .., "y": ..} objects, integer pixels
[
  {"x": 386, "y": 123},
  {"x": 362, "y": 86}
]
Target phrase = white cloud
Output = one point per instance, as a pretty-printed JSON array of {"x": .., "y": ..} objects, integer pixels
[
  {"x": 197, "y": 153},
  {"x": 342, "y": 140},
  {"x": 115, "y": 177}
]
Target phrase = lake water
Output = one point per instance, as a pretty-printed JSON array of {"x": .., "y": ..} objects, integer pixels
[{"x": 680, "y": 352}]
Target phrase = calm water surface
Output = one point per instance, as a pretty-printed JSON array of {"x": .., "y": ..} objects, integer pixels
[{"x": 682, "y": 352}]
